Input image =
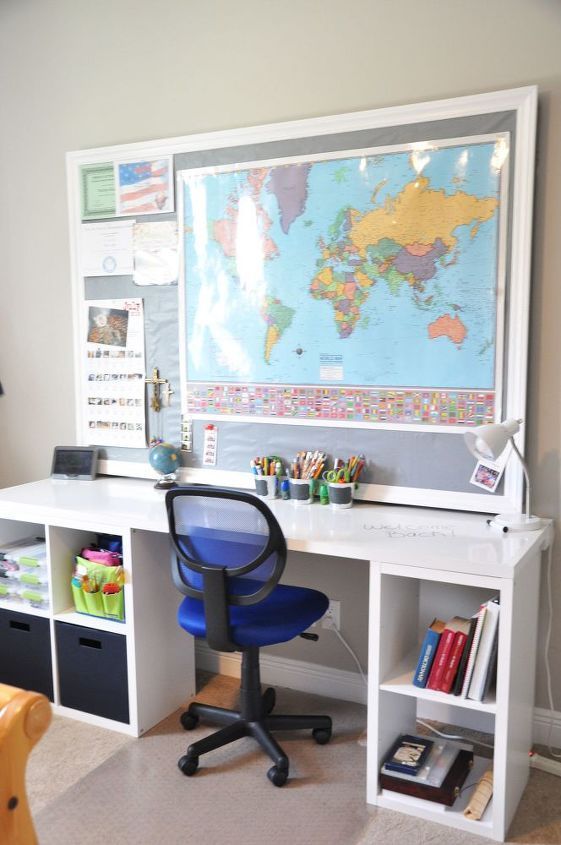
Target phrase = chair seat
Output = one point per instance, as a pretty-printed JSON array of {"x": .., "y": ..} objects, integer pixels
[{"x": 283, "y": 615}]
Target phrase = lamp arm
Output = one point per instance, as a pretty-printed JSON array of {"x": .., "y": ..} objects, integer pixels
[{"x": 526, "y": 476}]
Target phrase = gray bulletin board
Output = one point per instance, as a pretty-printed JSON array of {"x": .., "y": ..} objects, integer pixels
[{"x": 424, "y": 467}]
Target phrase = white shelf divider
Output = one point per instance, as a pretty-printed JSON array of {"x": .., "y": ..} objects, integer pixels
[
  {"x": 400, "y": 680},
  {"x": 23, "y": 607},
  {"x": 452, "y": 816},
  {"x": 99, "y": 623}
]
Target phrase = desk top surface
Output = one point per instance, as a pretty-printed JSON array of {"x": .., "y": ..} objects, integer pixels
[{"x": 421, "y": 537}]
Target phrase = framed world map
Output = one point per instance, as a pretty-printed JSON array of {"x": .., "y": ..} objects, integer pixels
[{"x": 364, "y": 285}]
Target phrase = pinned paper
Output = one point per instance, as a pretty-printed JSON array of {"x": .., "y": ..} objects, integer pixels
[
  {"x": 107, "y": 248},
  {"x": 114, "y": 410},
  {"x": 210, "y": 446},
  {"x": 156, "y": 259}
]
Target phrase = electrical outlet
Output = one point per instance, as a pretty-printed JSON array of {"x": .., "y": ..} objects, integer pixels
[{"x": 332, "y": 618}]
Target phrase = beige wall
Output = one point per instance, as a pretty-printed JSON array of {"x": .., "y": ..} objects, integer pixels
[{"x": 77, "y": 73}]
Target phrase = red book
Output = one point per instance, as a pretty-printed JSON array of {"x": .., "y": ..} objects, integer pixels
[
  {"x": 449, "y": 675},
  {"x": 444, "y": 651}
]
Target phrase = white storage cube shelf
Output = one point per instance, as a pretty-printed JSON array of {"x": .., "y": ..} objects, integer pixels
[
  {"x": 163, "y": 690},
  {"x": 407, "y": 601}
]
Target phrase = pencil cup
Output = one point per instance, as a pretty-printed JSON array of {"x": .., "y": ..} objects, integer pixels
[
  {"x": 341, "y": 494},
  {"x": 301, "y": 490},
  {"x": 266, "y": 486}
]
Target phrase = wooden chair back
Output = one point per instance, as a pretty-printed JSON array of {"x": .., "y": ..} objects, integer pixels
[{"x": 24, "y": 718}]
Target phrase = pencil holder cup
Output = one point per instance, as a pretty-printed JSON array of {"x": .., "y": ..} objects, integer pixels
[
  {"x": 266, "y": 486},
  {"x": 341, "y": 494},
  {"x": 301, "y": 490},
  {"x": 113, "y": 605}
]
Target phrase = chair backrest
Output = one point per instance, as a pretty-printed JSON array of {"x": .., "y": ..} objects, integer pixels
[
  {"x": 24, "y": 718},
  {"x": 229, "y": 550}
]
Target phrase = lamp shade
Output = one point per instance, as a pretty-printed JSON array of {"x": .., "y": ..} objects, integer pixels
[{"x": 489, "y": 441}]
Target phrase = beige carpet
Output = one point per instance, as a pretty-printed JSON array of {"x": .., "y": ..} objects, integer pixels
[
  {"x": 137, "y": 795},
  {"x": 67, "y": 752}
]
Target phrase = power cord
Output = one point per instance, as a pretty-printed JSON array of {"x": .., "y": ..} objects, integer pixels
[
  {"x": 362, "y": 738},
  {"x": 452, "y": 736},
  {"x": 557, "y": 756},
  {"x": 353, "y": 655}
]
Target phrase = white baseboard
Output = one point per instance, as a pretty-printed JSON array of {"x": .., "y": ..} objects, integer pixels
[
  {"x": 542, "y": 721},
  {"x": 294, "y": 674},
  {"x": 334, "y": 683}
]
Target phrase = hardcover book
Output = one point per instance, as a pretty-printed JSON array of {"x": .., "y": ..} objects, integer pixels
[
  {"x": 427, "y": 653},
  {"x": 458, "y": 645},
  {"x": 444, "y": 650}
]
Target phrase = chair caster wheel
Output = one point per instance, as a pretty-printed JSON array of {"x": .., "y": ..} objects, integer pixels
[
  {"x": 321, "y": 735},
  {"x": 188, "y": 721},
  {"x": 277, "y": 776},
  {"x": 269, "y": 699},
  {"x": 188, "y": 765}
]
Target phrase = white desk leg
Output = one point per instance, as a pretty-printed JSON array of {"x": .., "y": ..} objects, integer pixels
[
  {"x": 372, "y": 765},
  {"x": 164, "y": 654}
]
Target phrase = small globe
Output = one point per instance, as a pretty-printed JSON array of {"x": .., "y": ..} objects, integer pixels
[{"x": 164, "y": 458}]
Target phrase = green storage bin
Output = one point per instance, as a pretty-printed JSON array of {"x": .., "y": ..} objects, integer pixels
[{"x": 98, "y": 604}]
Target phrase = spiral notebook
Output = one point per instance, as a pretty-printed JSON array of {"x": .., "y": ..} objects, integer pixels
[{"x": 473, "y": 650}]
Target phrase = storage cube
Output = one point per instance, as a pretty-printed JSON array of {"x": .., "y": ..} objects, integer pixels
[
  {"x": 92, "y": 667},
  {"x": 25, "y": 655}
]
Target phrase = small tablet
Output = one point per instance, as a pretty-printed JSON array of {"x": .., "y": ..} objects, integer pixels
[{"x": 78, "y": 462}]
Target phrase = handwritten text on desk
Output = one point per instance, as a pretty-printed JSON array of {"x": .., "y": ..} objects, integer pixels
[{"x": 399, "y": 530}]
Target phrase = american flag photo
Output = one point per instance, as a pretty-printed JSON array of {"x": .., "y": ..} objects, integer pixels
[{"x": 145, "y": 187}]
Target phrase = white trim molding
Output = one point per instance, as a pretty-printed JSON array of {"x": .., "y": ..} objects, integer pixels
[
  {"x": 285, "y": 672},
  {"x": 542, "y": 721}
]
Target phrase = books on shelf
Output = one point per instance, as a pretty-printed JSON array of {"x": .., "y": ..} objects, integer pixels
[
  {"x": 443, "y": 657},
  {"x": 460, "y": 656}
]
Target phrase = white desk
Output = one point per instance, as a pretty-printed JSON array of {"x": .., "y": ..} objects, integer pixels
[{"x": 423, "y": 563}]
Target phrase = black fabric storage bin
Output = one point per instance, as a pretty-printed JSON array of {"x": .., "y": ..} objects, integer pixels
[
  {"x": 25, "y": 652},
  {"x": 92, "y": 671}
]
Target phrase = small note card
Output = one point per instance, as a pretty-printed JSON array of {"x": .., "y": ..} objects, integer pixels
[{"x": 210, "y": 446}]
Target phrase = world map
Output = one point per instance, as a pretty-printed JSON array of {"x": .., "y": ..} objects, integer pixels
[{"x": 377, "y": 268}]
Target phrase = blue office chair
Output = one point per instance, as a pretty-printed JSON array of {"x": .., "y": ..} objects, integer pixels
[{"x": 230, "y": 554}]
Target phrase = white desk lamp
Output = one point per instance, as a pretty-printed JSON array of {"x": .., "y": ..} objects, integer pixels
[{"x": 488, "y": 442}]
